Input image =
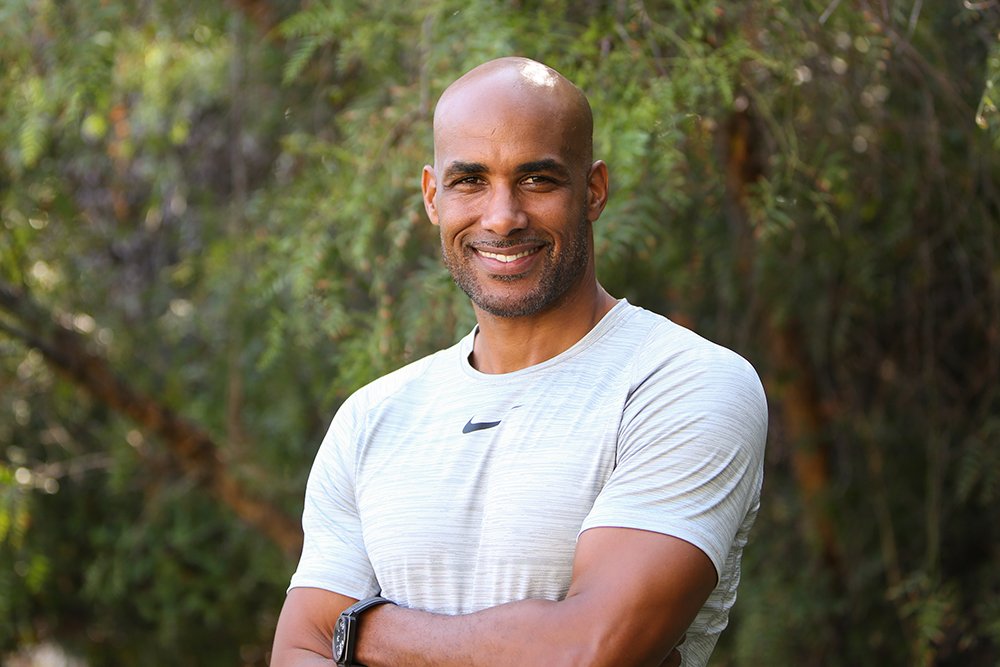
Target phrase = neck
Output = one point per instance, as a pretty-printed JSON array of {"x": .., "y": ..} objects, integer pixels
[{"x": 507, "y": 344}]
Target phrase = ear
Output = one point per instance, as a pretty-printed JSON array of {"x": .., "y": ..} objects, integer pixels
[
  {"x": 428, "y": 185},
  {"x": 597, "y": 190}
]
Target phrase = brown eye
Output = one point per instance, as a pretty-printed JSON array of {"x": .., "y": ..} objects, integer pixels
[
  {"x": 536, "y": 182},
  {"x": 466, "y": 182}
]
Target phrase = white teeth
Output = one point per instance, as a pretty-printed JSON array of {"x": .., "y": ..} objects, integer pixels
[{"x": 505, "y": 258}]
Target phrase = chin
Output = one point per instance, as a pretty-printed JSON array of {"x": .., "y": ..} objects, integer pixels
[{"x": 521, "y": 305}]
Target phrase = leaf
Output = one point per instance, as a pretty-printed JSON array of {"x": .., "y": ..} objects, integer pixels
[{"x": 300, "y": 58}]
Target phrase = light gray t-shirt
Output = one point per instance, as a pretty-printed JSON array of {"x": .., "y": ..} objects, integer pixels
[{"x": 451, "y": 490}]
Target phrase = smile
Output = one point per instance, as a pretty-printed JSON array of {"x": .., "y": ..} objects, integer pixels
[{"x": 506, "y": 258}]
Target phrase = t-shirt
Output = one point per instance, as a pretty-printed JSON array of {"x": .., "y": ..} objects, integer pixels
[{"x": 451, "y": 490}]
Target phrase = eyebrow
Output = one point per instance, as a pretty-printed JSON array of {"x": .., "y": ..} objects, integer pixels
[
  {"x": 548, "y": 164},
  {"x": 460, "y": 168}
]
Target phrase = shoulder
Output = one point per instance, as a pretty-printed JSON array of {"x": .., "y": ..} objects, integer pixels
[
  {"x": 401, "y": 380},
  {"x": 674, "y": 366},
  {"x": 349, "y": 425},
  {"x": 668, "y": 348}
]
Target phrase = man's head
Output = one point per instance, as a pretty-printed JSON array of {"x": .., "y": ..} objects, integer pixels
[{"x": 513, "y": 187}]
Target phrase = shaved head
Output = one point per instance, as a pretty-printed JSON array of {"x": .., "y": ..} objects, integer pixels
[
  {"x": 513, "y": 188},
  {"x": 521, "y": 86}
]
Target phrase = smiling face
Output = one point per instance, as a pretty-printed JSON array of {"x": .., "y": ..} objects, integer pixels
[{"x": 512, "y": 187}]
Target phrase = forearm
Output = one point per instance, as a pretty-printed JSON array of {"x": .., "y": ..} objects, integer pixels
[
  {"x": 299, "y": 658},
  {"x": 634, "y": 594},
  {"x": 528, "y": 632}
]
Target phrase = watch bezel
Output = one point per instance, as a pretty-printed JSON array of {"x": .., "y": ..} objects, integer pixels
[
  {"x": 340, "y": 638},
  {"x": 346, "y": 628}
]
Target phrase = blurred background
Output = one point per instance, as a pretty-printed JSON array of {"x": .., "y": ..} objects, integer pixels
[{"x": 211, "y": 233}]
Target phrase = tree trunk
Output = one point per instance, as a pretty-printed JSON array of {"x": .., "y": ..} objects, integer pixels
[
  {"x": 791, "y": 380},
  {"x": 190, "y": 445}
]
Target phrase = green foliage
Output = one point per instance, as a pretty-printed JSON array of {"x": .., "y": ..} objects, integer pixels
[
  {"x": 232, "y": 218},
  {"x": 988, "y": 113},
  {"x": 979, "y": 466}
]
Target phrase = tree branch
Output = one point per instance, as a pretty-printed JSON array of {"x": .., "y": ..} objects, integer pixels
[{"x": 191, "y": 446}]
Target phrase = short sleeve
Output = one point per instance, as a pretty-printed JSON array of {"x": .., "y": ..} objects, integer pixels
[
  {"x": 690, "y": 450},
  {"x": 334, "y": 557}
]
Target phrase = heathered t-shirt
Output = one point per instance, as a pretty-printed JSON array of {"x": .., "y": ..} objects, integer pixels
[{"x": 450, "y": 490}]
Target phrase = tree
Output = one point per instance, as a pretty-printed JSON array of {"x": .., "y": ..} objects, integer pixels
[{"x": 211, "y": 220}]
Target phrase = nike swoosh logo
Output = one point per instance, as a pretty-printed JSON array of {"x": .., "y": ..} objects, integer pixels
[{"x": 478, "y": 426}]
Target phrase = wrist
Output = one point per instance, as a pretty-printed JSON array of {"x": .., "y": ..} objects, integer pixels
[
  {"x": 347, "y": 630},
  {"x": 369, "y": 647}
]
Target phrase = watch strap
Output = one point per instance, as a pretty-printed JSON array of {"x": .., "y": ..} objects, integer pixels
[{"x": 361, "y": 606}]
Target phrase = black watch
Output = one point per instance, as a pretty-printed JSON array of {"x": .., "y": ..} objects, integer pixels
[{"x": 345, "y": 632}]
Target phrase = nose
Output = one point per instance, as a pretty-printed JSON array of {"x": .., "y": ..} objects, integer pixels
[{"x": 504, "y": 214}]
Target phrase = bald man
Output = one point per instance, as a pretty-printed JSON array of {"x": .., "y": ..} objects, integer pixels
[{"x": 573, "y": 482}]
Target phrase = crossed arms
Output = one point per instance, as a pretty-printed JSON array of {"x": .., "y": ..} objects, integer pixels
[{"x": 633, "y": 595}]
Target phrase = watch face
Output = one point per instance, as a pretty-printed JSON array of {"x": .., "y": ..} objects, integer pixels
[{"x": 339, "y": 640}]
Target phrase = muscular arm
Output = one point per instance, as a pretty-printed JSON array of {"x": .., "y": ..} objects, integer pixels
[
  {"x": 632, "y": 596},
  {"x": 305, "y": 628}
]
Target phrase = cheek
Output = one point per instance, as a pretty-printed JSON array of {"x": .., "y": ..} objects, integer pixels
[
  {"x": 560, "y": 215},
  {"x": 456, "y": 214},
  {"x": 451, "y": 231}
]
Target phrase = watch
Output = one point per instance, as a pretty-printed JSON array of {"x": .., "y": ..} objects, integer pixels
[{"x": 345, "y": 631}]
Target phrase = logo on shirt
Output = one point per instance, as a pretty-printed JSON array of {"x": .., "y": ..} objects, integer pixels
[{"x": 471, "y": 426}]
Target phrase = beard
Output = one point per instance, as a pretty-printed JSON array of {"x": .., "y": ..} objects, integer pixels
[{"x": 558, "y": 273}]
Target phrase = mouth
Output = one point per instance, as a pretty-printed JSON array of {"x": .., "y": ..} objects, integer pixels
[
  {"x": 508, "y": 261},
  {"x": 506, "y": 258}
]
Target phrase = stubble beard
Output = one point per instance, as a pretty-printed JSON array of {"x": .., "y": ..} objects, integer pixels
[{"x": 558, "y": 275}]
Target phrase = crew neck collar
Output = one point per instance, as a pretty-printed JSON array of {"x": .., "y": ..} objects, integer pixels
[{"x": 610, "y": 321}]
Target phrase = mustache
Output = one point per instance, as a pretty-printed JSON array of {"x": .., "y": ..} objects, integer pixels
[{"x": 500, "y": 244}]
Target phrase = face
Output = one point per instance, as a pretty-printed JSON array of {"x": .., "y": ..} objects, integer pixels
[{"x": 514, "y": 200}]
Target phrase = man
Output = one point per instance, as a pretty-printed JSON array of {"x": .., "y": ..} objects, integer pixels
[{"x": 572, "y": 483}]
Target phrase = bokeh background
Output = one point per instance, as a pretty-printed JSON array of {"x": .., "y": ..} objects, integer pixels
[{"x": 211, "y": 233}]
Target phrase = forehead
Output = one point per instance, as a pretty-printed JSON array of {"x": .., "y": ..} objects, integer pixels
[
  {"x": 493, "y": 135},
  {"x": 499, "y": 120}
]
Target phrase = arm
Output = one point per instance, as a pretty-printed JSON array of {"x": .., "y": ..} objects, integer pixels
[
  {"x": 633, "y": 595},
  {"x": 305, "y": 627},
  {"x": 692, "y": 470}
]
